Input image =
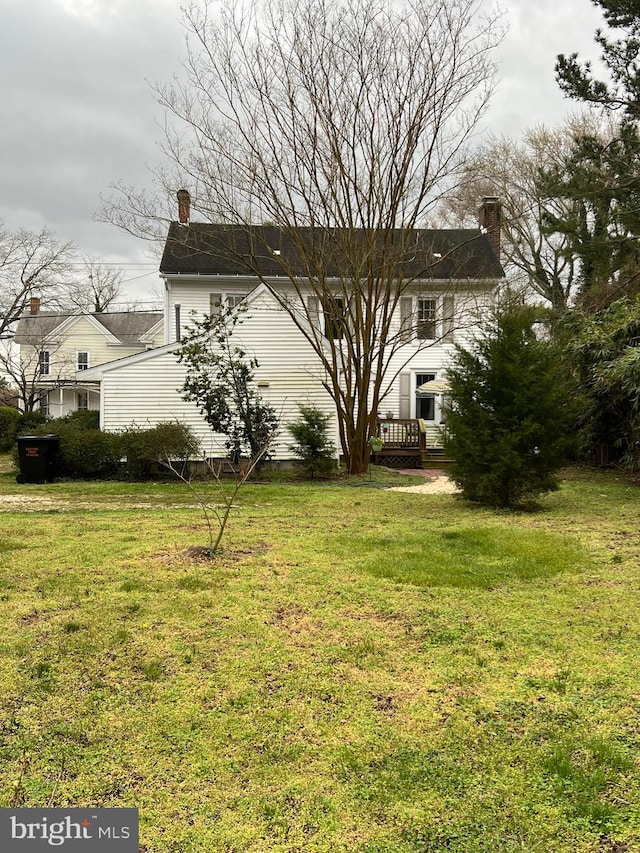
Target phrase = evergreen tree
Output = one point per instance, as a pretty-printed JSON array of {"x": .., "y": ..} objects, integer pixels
[
  {"x": 600, "y": 181},
  {"x": 510, "y": 418},
  {"x": 620, "y": 57},
  {"x": 313, "y": 448},
  {"x": 602, "y": 176},
  {"x": 604, "y": 348}
]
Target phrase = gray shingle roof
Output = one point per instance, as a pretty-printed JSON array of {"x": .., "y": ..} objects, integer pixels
[
  {"x": 127, "y": 326},
  {"x": 204, "y": 249}
]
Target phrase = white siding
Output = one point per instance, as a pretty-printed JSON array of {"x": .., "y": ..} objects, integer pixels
[
  {"x": 418, "y": 357},
  {"x": 83, "y": 336},
  {"x": 192, "y": 295},
  {"x": 146, "y": 391}
]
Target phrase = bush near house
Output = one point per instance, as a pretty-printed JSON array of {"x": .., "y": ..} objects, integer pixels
[
  {"x": 314, "y": 451},
  {"x": 13, "y": 422},
  {"x": 147, "y": 449}
]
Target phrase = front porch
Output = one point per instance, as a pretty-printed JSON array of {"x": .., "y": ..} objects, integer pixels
[{"x": 409, "y": 443}]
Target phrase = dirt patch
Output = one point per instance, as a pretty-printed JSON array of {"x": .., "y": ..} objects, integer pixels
[
  {"x": 440, "y": 485},
  {"x": 36, "y": 503},
  {"x": 30, "y": 503}
]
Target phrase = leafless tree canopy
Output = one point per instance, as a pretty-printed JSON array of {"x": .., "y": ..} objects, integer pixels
[
  {"x": 31, "y": 264},
  {"x": 535, "y": 258},
  {"x": 332, "y": 114},
  {"x": 335, "y": 113},
  {"x": 351, "y": 117},
  {"x": 97, "y": 289}
]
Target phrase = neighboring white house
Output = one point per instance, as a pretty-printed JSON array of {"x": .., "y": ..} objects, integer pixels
[
  {"x": 201, "y": 269},
  {"x": 56, "y": 351}
]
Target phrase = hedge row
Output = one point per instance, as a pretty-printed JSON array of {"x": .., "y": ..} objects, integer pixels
[{"x": 88, "y": 452}]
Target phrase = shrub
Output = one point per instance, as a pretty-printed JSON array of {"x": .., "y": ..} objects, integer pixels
[
  {"x": 314, "y": 450},
  {"x": 146, "y": 449},
  {"x": 9, "y": 419},
  {"x": 83, "y": 419},
  {"x": 30, "y": 423},
  {"x": 84, "y": 452}
]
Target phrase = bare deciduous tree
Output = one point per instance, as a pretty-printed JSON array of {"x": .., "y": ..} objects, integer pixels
[
  {"x": 99, "y": 288},
  {"x": 30, "y": 264},
  {"x": 536, "y": 256},
  {"x": 342, "y": 122}
]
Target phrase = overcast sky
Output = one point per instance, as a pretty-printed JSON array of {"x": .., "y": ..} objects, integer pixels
[{"x": 79, "y": 114}]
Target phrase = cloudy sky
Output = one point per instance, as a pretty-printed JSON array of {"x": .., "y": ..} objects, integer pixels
[{"x": 79, "y": 113}]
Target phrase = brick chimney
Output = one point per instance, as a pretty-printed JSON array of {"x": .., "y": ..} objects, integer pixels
[
  {"x": 490, "y": 217},
  {"x": 34, "y": 305},
  {"x": 184, "y": 207}
]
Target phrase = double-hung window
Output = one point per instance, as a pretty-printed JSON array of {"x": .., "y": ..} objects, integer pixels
[
  {"x": 426, "y": 320},
  {"x": 83, "y": 401},
  {"x": 334, "y": 318},
  {"x": 82, "y": 362},
  {"x": 45, "y": 362},
  {"x": 228, "y": 300}
]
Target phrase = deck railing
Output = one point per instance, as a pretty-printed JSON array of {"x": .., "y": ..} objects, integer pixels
[
  {"x": 402, "y": 433},
  {"x": 408, "y": 433}
]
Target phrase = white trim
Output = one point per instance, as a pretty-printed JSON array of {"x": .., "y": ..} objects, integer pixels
[{"x": 149, "y": 335}]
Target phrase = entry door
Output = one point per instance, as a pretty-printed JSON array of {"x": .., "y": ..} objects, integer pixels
[{"x": 425, "y": 406}]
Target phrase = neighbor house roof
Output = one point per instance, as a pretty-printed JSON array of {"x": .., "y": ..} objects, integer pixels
[
  {"x": 205, "y": 249},
  {"x": 128, "y": 327}
]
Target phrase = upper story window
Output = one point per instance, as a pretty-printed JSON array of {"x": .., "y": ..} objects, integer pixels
[
  {"x": 230, "y": 300},
  {"x": 82, "y": 362},
  {"x": 334, "y": 318},
  {"x": 426, "y": 325},
  {"x": 234, "y": 299},
  {"x": 428, "y": 319},
  {"x": 44, "y": 362}
]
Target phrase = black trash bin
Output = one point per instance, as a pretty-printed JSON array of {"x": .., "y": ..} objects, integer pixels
[{"x": 37, "y": 456}]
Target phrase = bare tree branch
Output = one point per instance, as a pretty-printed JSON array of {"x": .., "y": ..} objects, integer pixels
[{"x": 31, "y": 264}]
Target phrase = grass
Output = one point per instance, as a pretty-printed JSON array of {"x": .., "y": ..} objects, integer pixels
[{"x": 361, "y": 671}]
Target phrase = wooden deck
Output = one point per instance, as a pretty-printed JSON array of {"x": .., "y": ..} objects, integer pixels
[{"x": 409, "y": 443}]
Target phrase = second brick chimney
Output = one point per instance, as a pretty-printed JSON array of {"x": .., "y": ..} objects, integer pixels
[
  {"x": 184, "y": 207},
  {"x": 490, "y": 217},
  {"x": 34, "y": 305}
]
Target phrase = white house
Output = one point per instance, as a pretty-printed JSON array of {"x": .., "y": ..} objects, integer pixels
[
  {"x": 452, "y": 276},
  {"x": 57, "y": 349}
]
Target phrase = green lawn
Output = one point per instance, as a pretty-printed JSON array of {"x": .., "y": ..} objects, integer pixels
[{"x": 363, "y": 671}]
